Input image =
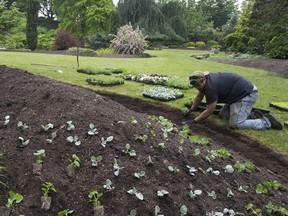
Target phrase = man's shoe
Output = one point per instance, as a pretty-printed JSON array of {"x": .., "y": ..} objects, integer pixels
[
  {"x": 274, "y": 123},
  {"x": 258, "y": 114}
]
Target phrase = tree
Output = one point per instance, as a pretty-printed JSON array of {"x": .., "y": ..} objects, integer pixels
[
  {"x": 31, "y": 29},
  {"x": 84, "y": 17}
]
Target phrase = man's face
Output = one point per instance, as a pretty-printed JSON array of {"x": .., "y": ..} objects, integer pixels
[{"x": 198, "y": 83}]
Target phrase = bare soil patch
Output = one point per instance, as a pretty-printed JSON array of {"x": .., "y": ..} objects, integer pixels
[{"x": 37, "y": 101}]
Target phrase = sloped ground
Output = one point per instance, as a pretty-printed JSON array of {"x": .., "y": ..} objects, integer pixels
[{"x": 37, "y": 101}]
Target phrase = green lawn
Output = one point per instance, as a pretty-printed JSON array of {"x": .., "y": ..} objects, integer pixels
[{"x": 176, "y": 63}]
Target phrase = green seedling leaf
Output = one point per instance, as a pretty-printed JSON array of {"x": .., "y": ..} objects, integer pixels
[
  {"x": 70, "y": 126},
  {"x": 139, "y": 174},
  {"x": 74, "y": 139},
  {"x": 93, "y": 131},
  {"x": 75, "y": 162},
  {"x": 212, "y": 194},
  {"x": 47, "y": 127},
  {"x": 116, "y": 167},
  {"x": 13, "y": 198},
  {"x": 23, "y": 143},
  {"x": 65, "y": 212},
  {"x": 142, "y": 138},
  {"x": 215, "y": 172},
  {"x": 7, "y": 120},
  {"x": 260, "y": 189},
  {"x": 108, "y": 185},
  {"x": 161, "y": 145},
  {"x": 228, "y": 169},
  {"x": 183, "y": 210},
  {"x": 40, "y": 156},
  {"x": 94, "y": 197},
  {"x": 133, "y": 120},
  {"x": 129, "y": 151},
  {"x": 105, "y": 141},
  {"x": 47, "y": 187},
  {"x": 193, "y": 194},
  {"x": 192, "y": 170},
  {"x": 157, "y": 211},
  {"x": 134, "y": 191},
  {"x": 161, "y": 193},
  {"x": 149, "y": 162},
  {"x": 53, "y": 136},
  {"x": 229, "y": 193},
  {"x": 22, "y": 126},
  {"x": 133, "y": 212},
  {"x": 95, "y": 160},
  {"x": 173, "y": 169}
]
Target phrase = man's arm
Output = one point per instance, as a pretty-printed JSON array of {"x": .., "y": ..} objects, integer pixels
[{"x": 206, "y": 113}]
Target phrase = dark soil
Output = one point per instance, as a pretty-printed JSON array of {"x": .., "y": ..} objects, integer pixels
[{"x": 37, "y": 101}]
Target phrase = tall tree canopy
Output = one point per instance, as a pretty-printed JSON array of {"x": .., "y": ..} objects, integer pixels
[
  {"x": 84, "y": 17},
  {"x": 31, "y": 29}
]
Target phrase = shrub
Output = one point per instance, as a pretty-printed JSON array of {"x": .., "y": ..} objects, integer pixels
[
  {"x": 45, "y": 41},
  {"x": 200, "y": 44},
  {"x": 64, "y": 40},
  {"x": 106, "y": 51},
  {"x": 190, "y": 44},
  {"x": 129, "y": 41},
  {"x": 212, "y": 43},
  {"x": 17, "y": 41},
  {"x": 105, "y": 81}
]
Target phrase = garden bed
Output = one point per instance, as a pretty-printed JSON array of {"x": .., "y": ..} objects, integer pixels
[{"x": 37, "y": 101}]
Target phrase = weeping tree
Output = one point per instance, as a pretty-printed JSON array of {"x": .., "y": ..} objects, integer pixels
[
  {"x": 147, "y": 15},
  {"x": 31, "y": 28}
]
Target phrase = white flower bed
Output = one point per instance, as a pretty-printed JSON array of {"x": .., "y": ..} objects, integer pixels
[{"x": 162, "y": 93}]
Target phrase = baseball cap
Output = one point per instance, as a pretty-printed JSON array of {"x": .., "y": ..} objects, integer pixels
[{"x": 197, "y": 77}]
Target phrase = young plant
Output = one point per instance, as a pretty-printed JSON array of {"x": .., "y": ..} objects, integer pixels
[
  {"x": 193, "y": 194},
  {"x": 133, "y": 212},
  {"x": 198, "y": 140},
  {"x": 247, "y": 166},
  {"x": 70, "y": 126},
  {"x": 161, "y": 193},
  {"x": 108, "y": 185},
  {"x": 157, "y": 211},
  {"x": 134, "y": 191},
  {"x": 215, "y": 172},
  {"x": 133, "y": 120},
  {"x": 173, "y": 169},
  {"x": 128, "y": 150},
  {"x": 183, "y": 210},
  {"x": 74, "y": 162},
  {"x": 192, "y": 170},
  {"x": 74, "y": 140},
  {"x": 23, "y": 142},
  {"x": 95, "y": 160},
  {"x": 228, "y": 169},
  {"x": 116, "y": 167},
  {"x": 142, "y": 138},
  {"x": 251, "y": 211},
  {"x": 105, "y": 141},
  {"x": 7, "y": 120},
  {"x": 53, "y": 136},
  {"x": 40, "y": 156},
  {"x": 13, "y": 198},
  {"x": 94, "y": 197},
  {"x": 65, "y": 212},
  {"x": 47, "y": 126},
  {"x": 93, "y": 131},
  {"x": 139, "y": 174},
  {"x": 47, "y": 188},
  {"x": 212, "y": 194},
  {"x": 229, "y": 193},
  {"x": 22, "y": 126},
  {"x": 149, "y": 161},
  {"x": 161, "y": 145}
]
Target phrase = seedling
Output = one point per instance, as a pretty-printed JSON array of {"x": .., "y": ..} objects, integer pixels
[
  {"x": 148, "y": 125},
  {"x": 229, "y": 193},
  {"x": 192, "y": 170},
  {"x": 47, "y": 127},
  {"x": 252, "y": 211},
  {"x": 161, "y": 145},
  {"x": 228, "y": 169},
  {"x": 22, "y": 126},
  {"x": 161, "y": 193},
  {"x": 139, "y": 174},
  {"x": 75, "y": 162},
  {"x": 215, "y": 172},
  {"x": 23, "y": 143},
  {"x": 193, "y": 194},
  {"x": 267, "y": 185},
  {"x": 7, "y": 120},
  {"x": 13, "y": 198},
  {"x": 185, "y": 131},
  {"x": 183, "y": 210},
  {"x": 133, "y": 212},
  {"x": 149, "y": 162},
  {"x": 241, "y": 188},
  {"x": 198, "y": 140},
  {"x": 142, "y": 138},
  {"x": 65, "y": 212},
  {"x": 214, "y": 154},
  {"x": 108, "y": 185},
  {"x": 116, "y": 167},
  {"x": 40, "y": 156},
  {"x": 53, "y": 136},
  {"x": 173, "y": 169},
  {"x": 105, "y": 141},
  {"x": 134, "y": 191},
  {"x": 197, "y": 152},
  {"x": 74, "y": 139},
  {"x": 94, "y": 197},
  {"x": 247, "y": 166},
  {"x": 212, "y": 194},
  {"x": 157, "y": 211},
  {"x": 133, "y": 120},
  {"x": 47, "y": 187},
  {"x": 273, "y": 209},
  {"x": 70, "y": 126},
  {"x": 129, "y": 151},
  {"x": 95, "y": 160},
  {"x": 93, "y": 131}
]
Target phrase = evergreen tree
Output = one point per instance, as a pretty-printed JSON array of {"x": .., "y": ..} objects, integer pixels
[{"x": 31, "y": 29}]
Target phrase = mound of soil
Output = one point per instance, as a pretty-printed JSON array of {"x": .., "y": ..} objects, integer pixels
[{"x": 38, "y": 101}]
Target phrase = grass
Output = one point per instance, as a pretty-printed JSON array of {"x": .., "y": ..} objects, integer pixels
[{"x": 176, "y": 63}]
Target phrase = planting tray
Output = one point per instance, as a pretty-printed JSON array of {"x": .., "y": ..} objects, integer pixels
[{"x": 280, "y": 105}]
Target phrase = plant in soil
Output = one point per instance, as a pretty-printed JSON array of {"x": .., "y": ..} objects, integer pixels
[
  {"x": 65, "y": 212},
  {"x": 95, "y": 160},
  {"x": 74, "y": 163},
  {"x": 93, "y": 131},
  {"x": 105, "y": 141},
  {"x": 23, "y": 143},
  {"x": 129, "y": 151},
  {"x": 22, "y": 126},
  {"x": 37, "y": 167},
  {"x": 47, "y": 126},
  {"x": 13, "y": 198},
  {"x": 108, "y": 185},
  {"x": 7, "y": 120},
  {"x": 46, "y": 200},
  {"x": 134, "y": 191},
  {"x": 94, "y": 197}
]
